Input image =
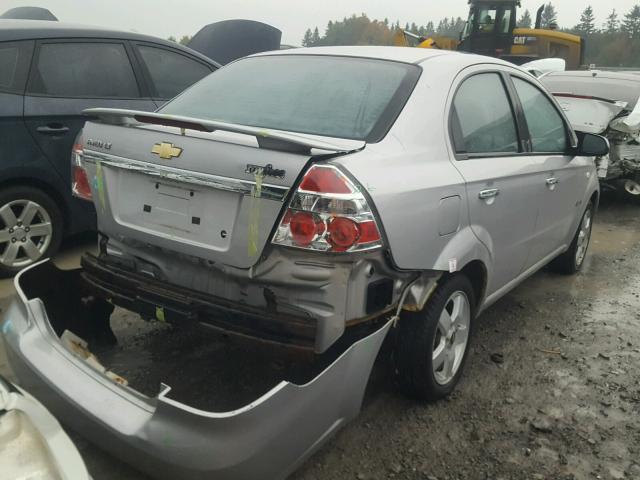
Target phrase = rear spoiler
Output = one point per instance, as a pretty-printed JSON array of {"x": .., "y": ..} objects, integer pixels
[{"x": 270, "y": 139}]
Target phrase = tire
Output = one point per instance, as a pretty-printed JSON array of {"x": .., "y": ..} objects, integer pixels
[
  {"x": 31, "y": 228},
  {"x": 629, "y": 190},
  {"x": 571, "y": 261},
  {"x": 421, "y": 335}
]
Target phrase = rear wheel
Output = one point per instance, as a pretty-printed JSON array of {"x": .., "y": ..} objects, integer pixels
[
  {"x": 432, "y": 344},
  {"x": 629, "y": 189},
  {"x": 571, "y": 261},
  {"x": 30, "y": 228}
]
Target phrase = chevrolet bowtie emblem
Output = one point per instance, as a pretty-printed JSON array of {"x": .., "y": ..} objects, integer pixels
[{"x": 166, "y": 150}]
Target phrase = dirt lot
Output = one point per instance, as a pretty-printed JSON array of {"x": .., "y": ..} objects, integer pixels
[{"x": 560, "y": 401}]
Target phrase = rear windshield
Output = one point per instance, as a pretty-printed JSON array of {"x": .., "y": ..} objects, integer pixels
[{"x": 339, "y": 97}]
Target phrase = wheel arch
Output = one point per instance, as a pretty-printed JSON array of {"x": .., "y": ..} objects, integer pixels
[
  {"x": 466, "y": 254},
  {"x": 595, "y": 198},
  {"x": 476, "y": 272}
]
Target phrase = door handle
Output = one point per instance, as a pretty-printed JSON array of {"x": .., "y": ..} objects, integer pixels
[
  {"x": 489, "y": 193},
  {"x": 552, "y": 182},
  {"x": 53, "y": 129}
]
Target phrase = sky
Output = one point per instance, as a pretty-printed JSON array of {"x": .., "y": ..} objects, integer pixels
[{"x": 185, "y": 17}]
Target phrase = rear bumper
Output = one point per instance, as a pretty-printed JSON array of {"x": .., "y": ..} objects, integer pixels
[
  {"x": 153, "y": 298},
  {"x": 267, "y": 438}
]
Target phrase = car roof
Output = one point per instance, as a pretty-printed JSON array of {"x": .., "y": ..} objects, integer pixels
[
  {"x": 12, "y": 30},
  {"x": 398, "y": 54}
]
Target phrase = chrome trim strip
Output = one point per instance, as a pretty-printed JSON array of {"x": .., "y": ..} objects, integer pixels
[{"x": 244, "y": 187}]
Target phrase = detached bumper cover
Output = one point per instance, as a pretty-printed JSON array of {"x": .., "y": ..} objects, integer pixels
[
  {"x": 268, "y": 438},
  {"x": 32, "y": 442}
]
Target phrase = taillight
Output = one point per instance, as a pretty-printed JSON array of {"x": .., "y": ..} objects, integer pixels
[
  {"x": 80, "y": 186},
  {"x": 328, "y": 213}
]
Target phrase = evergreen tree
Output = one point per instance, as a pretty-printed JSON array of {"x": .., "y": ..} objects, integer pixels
[
  {"x": 307, "y": 39},
  {"x": 315, "y": 38},
  {"x": 631, "y": 23},
  {"x": 172, "y": 39},
  {"x": 185, "y": 40},
  {"x": 525, "y": 20},
  {"x": 587, "y": 23},
  {"x": 430, "y": 29},
  {"x": 612, "y": 24},
  {"x": 549, "y": 16}
]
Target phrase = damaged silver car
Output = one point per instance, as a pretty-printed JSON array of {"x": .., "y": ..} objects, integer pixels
[
  {"x": 605, "y": 103},
  {"x": 312, "y": 198}
]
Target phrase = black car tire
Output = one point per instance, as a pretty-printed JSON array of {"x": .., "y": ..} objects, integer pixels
[
  {"x": 417, "y": 336},
  {"x": 568, "y": 263},
  {"x": 629, "y": 190},
  {"x": 47, "y": 212}
]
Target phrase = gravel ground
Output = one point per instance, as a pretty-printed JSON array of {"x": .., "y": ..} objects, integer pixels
[{"x": 551, "y": 388}]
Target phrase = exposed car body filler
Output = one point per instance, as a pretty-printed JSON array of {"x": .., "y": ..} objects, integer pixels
[{"x": 164, "y": 437}]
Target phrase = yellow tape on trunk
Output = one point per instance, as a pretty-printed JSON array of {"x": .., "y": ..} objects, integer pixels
[{"x": 253, "y": 236}]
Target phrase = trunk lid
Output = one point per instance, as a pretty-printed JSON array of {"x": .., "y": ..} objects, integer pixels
[{"x": 204, "y": 189}]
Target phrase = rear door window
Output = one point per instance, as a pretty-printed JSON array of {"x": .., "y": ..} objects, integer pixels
[
  {"x": 546, "y": 126},
  {"x": 485, "y": 120},
  {"x": 14, "y": 65},
  {"x": 171, "y": 72},
  {"x": 84, "y": 70}
]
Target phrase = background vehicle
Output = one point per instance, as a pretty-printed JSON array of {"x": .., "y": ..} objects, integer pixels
[
  {"x": 491, "y": 30},
  {"x": 49, "y": 73},
  {"x": 605, "y": 103}
]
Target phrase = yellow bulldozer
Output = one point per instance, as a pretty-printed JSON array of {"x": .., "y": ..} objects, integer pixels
[{"x": 491, "y": 30}]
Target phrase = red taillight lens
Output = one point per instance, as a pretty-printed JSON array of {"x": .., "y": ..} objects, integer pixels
[
  {"x": 343, "y": 233},
  {"x": 303, "y": 228},
  {"x": 328, "y": 212},
  {"x": 80, "y": 186},
  {"x": 324, "y": 180},
  {"x": 368, "y": 232}
]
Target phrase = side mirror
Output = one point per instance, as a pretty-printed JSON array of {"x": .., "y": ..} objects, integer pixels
[{"x": 590, "y": 145}]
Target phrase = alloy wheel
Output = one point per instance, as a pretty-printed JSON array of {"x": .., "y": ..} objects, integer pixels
[
  {"x": 25, "y": 233},
  {"x": 451, "y": 338},
  {"x": 584, "y": 235}
]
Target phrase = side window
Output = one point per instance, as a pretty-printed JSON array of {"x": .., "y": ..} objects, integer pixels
[
  {"x": 505, "y": 24},
  {"x": 171, "y": 72},
  {"x": 15, "y": 58},
  {"x": 487, "y": 19},
  {"x": 485, "y": 117},
  {"x": 546, "y": 126},
  {"x": 85, "y": 70}
]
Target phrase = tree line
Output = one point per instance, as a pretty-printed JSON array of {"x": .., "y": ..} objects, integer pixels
[{"x": 613, "y": 41}]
